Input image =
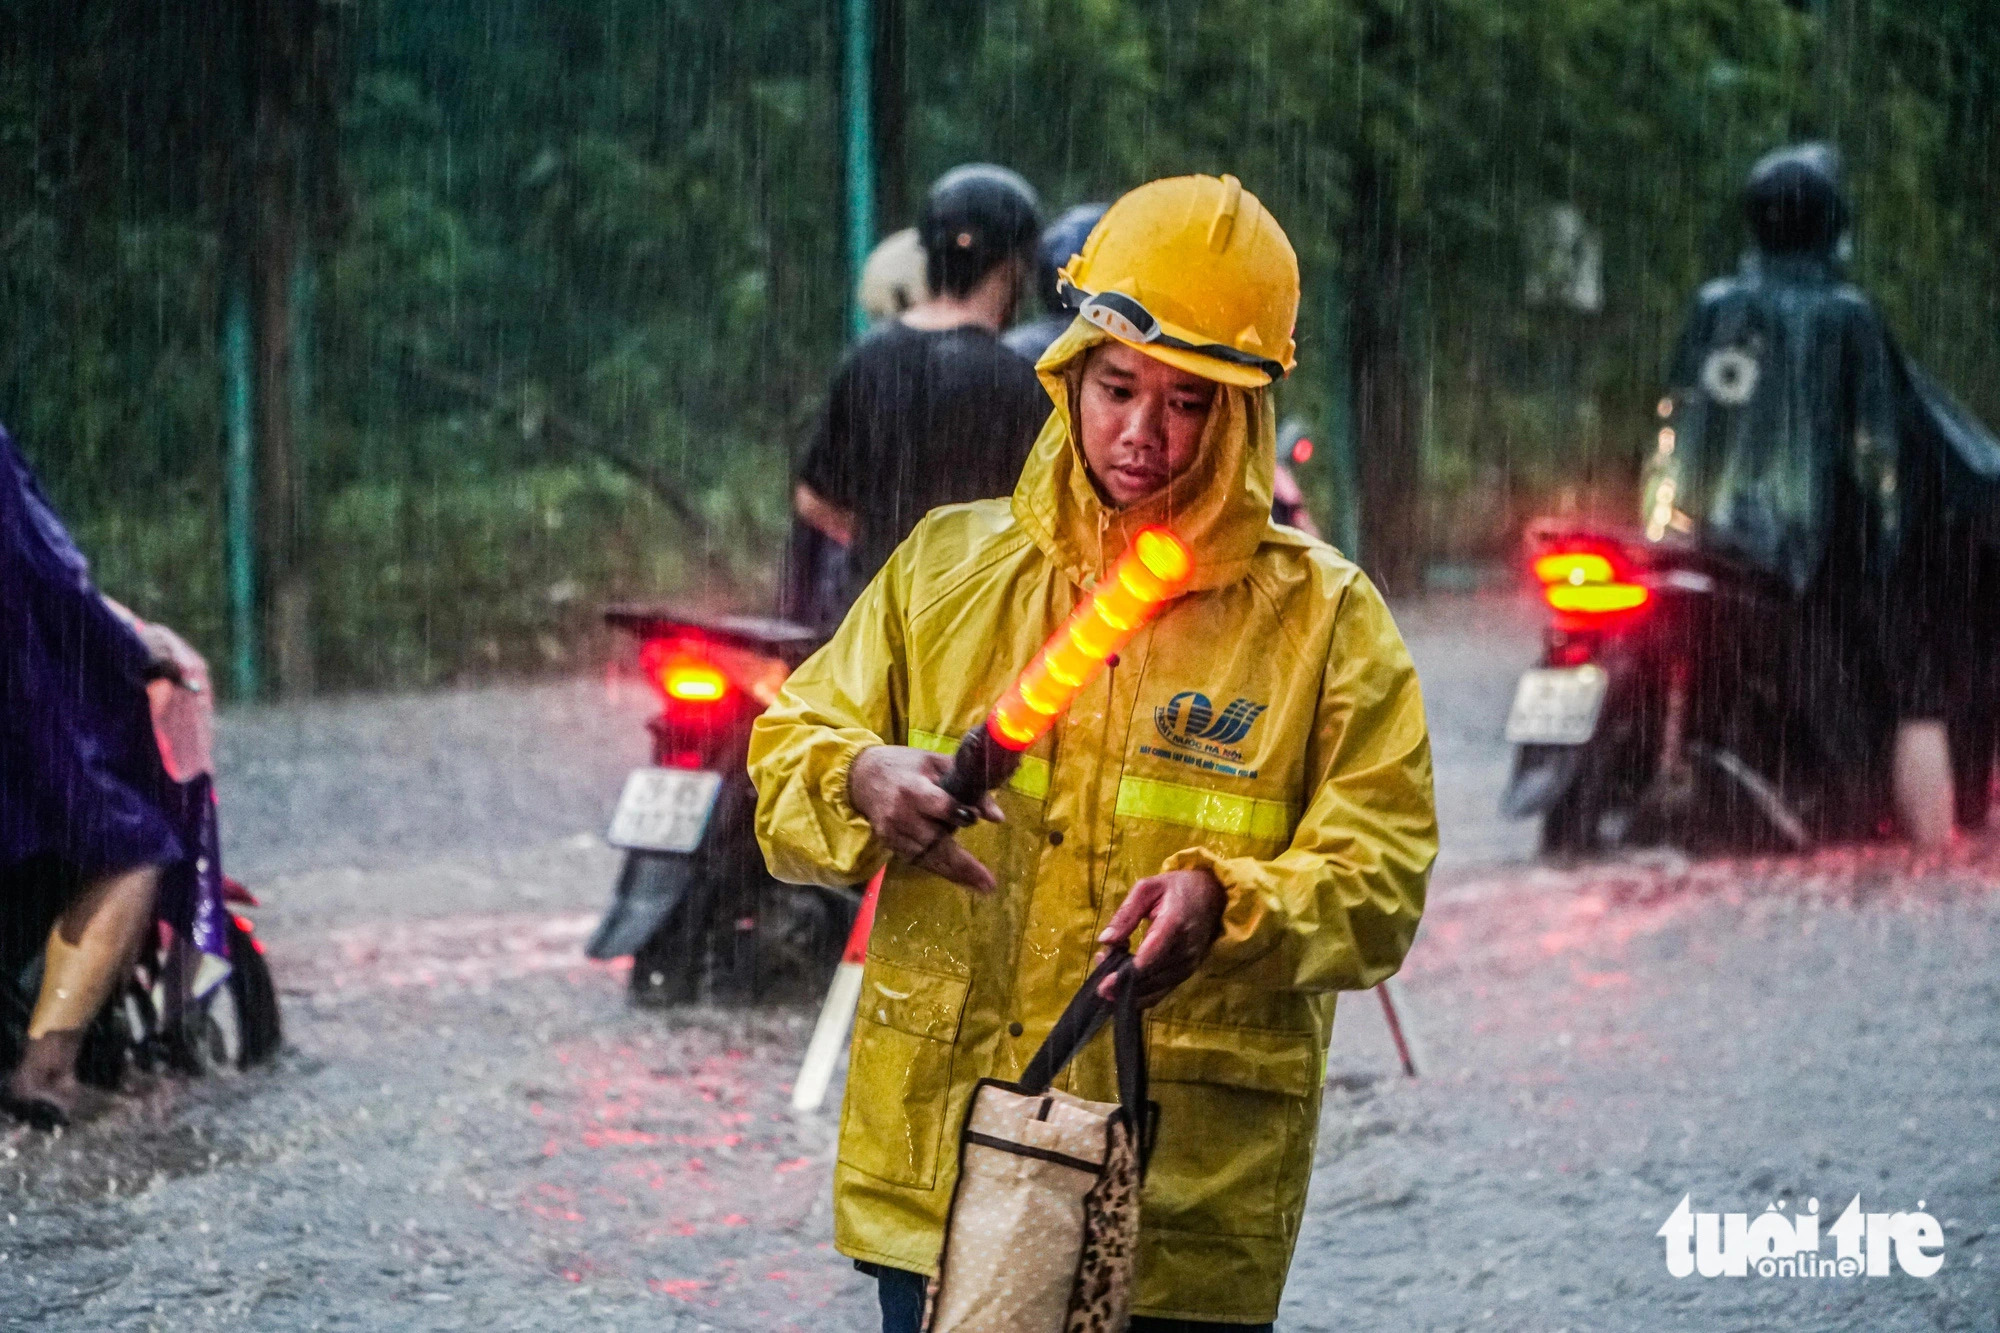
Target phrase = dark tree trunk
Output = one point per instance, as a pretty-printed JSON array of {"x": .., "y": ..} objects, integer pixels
[
  {"x": 887, "y": 97},
  {"x": 287, "y": 199},
  {"x": 1389, "y": 469}
]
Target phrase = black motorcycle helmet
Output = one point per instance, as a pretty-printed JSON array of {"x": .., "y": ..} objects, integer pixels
[
  {"x": 1794, "y": 202},
  {"x": 976, "y": 217},
  {"x": 1061, "y": 239}
]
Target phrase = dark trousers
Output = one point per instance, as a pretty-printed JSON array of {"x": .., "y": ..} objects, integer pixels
[{"x": 903, "y": 1309}]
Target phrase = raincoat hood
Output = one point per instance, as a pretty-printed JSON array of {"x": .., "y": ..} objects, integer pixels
[
  {"x": 1795, "y": 202},
  {"x": 1221, "y": 506}
]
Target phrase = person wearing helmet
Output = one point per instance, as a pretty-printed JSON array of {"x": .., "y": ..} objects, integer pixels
[
  {"x": 1797, "y": 439},
  {"x": 812, "y": 573},
  {"x": 1249, "y": 779},
  {"x": 1061, "y": 240},
  {"x": 930, "y": 409}
]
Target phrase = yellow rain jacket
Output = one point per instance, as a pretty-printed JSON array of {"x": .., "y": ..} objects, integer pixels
[{"x": 1267, "y": 726}]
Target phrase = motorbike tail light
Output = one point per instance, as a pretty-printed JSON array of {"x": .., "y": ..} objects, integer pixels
[
  {"x": 1597, "y": 599},
  {"x": 1576, "y": 567},
  {"x": 691, "y": 670},
  {"x": 693, "y": 682},
  {"x": 682, "y": 673},
  {"x": 1588, "y": 583}
]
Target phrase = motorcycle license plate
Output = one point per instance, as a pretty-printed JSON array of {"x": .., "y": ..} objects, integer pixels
[
  {"x": 1557, "y": 705},
  {"x": 663, "y": 809}
]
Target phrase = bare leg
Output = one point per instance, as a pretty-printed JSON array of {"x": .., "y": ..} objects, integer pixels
[
  {"x": 1922, "y": 778},
  {"x": 89, "y": 950}
]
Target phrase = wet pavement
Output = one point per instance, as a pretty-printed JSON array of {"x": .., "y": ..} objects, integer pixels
[{"x": 469, "y": 1127}]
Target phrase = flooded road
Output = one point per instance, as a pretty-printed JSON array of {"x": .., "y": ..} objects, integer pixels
[{"x": 470, "y": 1129}]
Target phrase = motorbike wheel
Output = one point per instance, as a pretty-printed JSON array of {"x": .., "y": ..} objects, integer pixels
[
  {"x": 255, "y": 996},
  {"x": 1972, "y": 753},
  {"x": 1571, "y": 825},
  {"x": 706, "y": 946},
  {"x": 801, "y": 933},
  {"x": 667, "y": 968},
  {"x": 236, "y": 1024}
]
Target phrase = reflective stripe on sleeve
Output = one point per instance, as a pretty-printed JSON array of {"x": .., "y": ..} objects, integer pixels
[
  {"x": 1031, "y": 779},
  {"x": 1198, "y": 807}
]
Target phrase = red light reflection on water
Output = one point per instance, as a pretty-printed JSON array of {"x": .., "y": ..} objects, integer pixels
[{"x": 671, "y": 1154}]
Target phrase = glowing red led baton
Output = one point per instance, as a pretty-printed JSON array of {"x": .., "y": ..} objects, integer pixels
[{"x": 1149, "y": 575}]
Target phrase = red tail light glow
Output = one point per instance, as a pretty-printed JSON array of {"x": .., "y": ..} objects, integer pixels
[
  {"x": 1573, "y": 567},
  {"x": 693, "y": 681},
  {"x": 689, "y": 670},
  {"x": 1587, "y": 585},
  {"x": 1596, "y": 599},
  {"x": 682, "y": 674}
]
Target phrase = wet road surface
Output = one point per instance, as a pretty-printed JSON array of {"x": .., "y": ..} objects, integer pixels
[{"x": 470, "y": 1129}]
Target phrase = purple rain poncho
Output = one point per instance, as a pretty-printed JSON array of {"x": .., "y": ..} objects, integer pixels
[{"x": 80, "y": 774}]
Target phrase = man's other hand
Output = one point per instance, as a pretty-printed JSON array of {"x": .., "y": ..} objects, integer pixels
[
  {"x": 1183, "y": 909},
  {"x": 830, "y": 519},
  {"x": 897, "y": 791}
]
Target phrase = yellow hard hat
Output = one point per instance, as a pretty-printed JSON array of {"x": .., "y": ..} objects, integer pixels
[{"x": 1193, "y": 271}]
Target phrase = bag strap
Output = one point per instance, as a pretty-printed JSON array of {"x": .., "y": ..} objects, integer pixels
[{"x": 1086, "y": 1013}]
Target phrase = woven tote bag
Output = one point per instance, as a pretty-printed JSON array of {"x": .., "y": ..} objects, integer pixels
[{"x": 1044, "y": 1220}]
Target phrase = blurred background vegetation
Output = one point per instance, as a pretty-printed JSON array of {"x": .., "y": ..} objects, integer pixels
[{"x": 568, "y": 278}]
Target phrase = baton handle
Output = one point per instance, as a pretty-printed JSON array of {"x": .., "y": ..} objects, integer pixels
[{"x": 980, "y": 765}]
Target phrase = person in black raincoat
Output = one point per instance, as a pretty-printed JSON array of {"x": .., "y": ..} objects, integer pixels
[
  {"x": 85, "y": 826},
  {"x": 1798, "y": 440}
]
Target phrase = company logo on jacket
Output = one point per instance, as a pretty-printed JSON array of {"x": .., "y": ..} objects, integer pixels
[
  {"x": 1190, "y": 717},
  {"x": 1201, "y": 736}
]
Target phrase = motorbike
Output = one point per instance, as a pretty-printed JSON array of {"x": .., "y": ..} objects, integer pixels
[
  {"x": 180, "y": 1010},
  {"x": 695, "y": 908},
  {"x": 1667, "y": 708},
  {"x": 200, "y": 997}
]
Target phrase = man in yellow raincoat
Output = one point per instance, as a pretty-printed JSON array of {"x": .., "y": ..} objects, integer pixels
[{"x": 1250, "y": 779}]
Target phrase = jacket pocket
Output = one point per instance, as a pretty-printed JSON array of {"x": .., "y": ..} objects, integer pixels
[
  {"x": 1238, "y": 1111},
  {"x": 899, "y": 1072}
]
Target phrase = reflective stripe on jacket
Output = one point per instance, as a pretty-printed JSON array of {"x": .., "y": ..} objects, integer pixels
[{"x": 1268, "y": 726}]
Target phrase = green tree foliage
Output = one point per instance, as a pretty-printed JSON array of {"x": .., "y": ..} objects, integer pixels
[{"x": 587, "y": 281}]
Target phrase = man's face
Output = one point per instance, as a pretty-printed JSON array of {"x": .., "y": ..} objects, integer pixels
[{"x": 1140, "y": 421}]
